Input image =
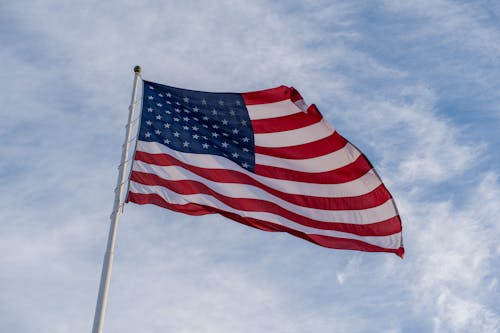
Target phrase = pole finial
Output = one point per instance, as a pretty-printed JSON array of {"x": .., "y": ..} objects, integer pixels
[{"x": 137, "y": 69}]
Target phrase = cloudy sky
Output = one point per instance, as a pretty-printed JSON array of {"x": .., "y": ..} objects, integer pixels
[{"x": 414, "y": 84}]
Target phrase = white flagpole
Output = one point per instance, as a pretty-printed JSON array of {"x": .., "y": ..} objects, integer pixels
[{"x": 108, "y": 256}]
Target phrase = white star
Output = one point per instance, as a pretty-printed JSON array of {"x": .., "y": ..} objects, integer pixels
[
  {"x": 168, "y": 102},
  {"x": 177, "y": 110},
  {"x": 158, "y": 117},
  {"x": 187, "y": 111},
  {"x": 195, "y": 109},
  {"x": 176, "y": 119},
  {"x": 204, "y": 137},
  {"x": 245, "y": 150},
  {"x": 158, "y": 132},
  {"x": 205, "y": 118},
  {"x": 185, "y": 118},
  {"x": 147, "y": 135},
  {"x": 215, "y": 126},
  {"x": 225, "y": 122},
  {"x": 161, "y": 95},
  {"x": 221, "y": 102},
  {"x": 169, "y": 95},
  {"x": 225, "y": 144},
  {"x": 167, "y": 125},
  {"x": 150, "y": 87},
  {"x": 232, "y": 112},
  {"x": 204, "y": 102},
  {"x": 215, "y": 134},
  {"x": 195, "y": 118},
  {"x": 195, "y": 136},
  {"x": 195, "y": 128},
  {"x": 214, "y": 112},
  {"x": 245, "y": 165},
  {"x": 225, "y": 134},
  {"x": 159, "y": 105},
  {"x": 167, "y": 141},
  {"x": 168, "y": 112},
  {"x": 185, "y": 128},
  {"x": 176, "y": 134},
  {"x": 236, "y": 142},
  {"x": 244, "y": 122},
  {"x": 186, "y": 99},
  {"x": 185, "y": 143},
  {"x": 150, "y": 97},
  {"x": 235, "y": 131},
  {"x": 235, "y": 155},
  {"x": 245, "y": 139},
  {"x": 177, "y": 103},
  {"x": 205, "y": 125},
  {"x": 205, "y": 145},
  {"x": 238, "y": 102},
  {"x": 150, "y": 110},
  {"x": 149, "y": 122}
]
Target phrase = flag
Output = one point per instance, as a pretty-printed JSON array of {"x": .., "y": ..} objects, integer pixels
[{"x": 264, "y": 159}]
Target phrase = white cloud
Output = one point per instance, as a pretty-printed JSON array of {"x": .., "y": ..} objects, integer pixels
[
  {"x": 432, "y": 150},
  {"x": 454, "y": 252},
  {"x": 463, "y": 316},
  {"x": 463, "y": 24}
]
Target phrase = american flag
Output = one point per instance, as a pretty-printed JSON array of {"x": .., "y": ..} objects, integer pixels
[{"x": 265, "y": 159}]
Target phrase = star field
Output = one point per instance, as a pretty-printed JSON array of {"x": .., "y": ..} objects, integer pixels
[{"x": 198, "y": 122}]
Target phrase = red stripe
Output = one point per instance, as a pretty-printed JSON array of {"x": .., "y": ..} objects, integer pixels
[
  {"x": 285, "y": 123},
  {"x": 155, "y": 199},
  {"x": 272, "y": 95},
  {"x": 321, "y": 147},
  {"x": 369, "y": 200},
  {"x": 326, "y": 241},
  {"x": 187, "y": 187},
  {"x": 295, "y": 95},
  {"x": 341, "y": 175},
  {"x": 350, "y": 244}
]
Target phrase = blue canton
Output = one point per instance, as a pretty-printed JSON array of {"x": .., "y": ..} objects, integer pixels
[{"x": 198, "y": 122}]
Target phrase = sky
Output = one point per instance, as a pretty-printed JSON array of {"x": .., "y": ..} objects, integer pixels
[{"x": 413, "y": 84}]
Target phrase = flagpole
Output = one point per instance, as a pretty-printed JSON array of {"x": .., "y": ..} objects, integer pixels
[{"x": 115, "y": 215}]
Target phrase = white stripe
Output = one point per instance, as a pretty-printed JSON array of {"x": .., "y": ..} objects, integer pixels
[
  {"x": 244, "y": 191},
  {"x": 388, "y": 242},
  {"x": 301, "y": 104},
  {"x": 272, "y": 110},
  {"x": 311, "y": 133},
  {"x": 334, "y": 160},
  {"x": 357, "y": 187}
]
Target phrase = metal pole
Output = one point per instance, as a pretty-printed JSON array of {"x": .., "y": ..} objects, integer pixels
[{"x": 108, "y": 256}]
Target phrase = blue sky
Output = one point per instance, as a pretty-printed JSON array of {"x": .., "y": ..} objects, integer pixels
[{"x": 414, "y": 84}]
